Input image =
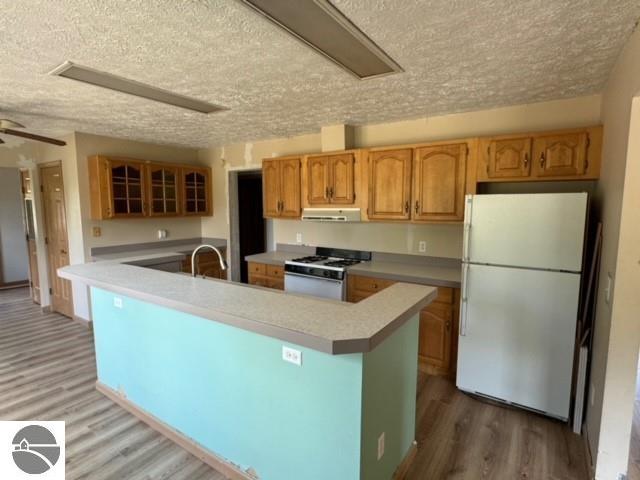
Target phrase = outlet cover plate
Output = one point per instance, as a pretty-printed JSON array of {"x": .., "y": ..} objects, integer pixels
[{"x": 292, "y": 355}]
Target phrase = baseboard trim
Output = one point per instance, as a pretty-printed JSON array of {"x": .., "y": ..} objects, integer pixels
[
  {"x": 83, "y": 321},
  {"x": 47, "y": 309},
  {"x": 588, "y": 457},
  {"x": 403, "y": 468},
  {"x": 230, "y": 470},
  {"x": 17, "y": 284}
]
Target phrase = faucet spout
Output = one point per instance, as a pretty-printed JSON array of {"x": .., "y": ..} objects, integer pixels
[{"x": 223, "y": 263}]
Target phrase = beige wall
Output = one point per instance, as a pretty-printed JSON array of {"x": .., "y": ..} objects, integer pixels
[
  {"x": 442, "y": 240},
  {"x": 617, "y": 331}
]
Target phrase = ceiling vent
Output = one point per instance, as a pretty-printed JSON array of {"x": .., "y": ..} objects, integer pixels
[
  {"x": 325, "y": 29},
  {"x": 131, "y": 87}
]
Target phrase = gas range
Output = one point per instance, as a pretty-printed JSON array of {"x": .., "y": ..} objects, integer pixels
[{"x": 322, "y": 274}]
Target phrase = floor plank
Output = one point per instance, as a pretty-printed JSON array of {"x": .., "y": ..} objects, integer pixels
[{"x": 47, "y": 370}]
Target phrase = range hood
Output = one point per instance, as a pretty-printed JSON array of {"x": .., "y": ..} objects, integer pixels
[{"x": 331, "y": 214}]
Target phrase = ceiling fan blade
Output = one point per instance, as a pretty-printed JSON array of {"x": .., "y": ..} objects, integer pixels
[
  {"x": 31, "y": 136},
  {"x": 6, "y": 123},
  {"x": 1, "y": 141}
]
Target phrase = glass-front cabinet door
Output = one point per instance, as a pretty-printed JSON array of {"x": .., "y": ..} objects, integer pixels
[
  {"x": 163, "y": 190},
  {"x": 127, "y": 188},
  {"x": 197, "y": 191}
]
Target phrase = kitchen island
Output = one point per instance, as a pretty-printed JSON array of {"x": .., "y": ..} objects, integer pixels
[{"x": 202, "y": 361}]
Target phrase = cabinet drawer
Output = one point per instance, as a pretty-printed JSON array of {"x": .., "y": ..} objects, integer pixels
[
  {"x": 257, "y": 268},
  {"x": 445, "y": 295},
  {"x": 257, "y": 280},
  {"x": 275, "y": 271},
  {"x": 278, "y": 284},
  {"x": 370, "y": 284}
]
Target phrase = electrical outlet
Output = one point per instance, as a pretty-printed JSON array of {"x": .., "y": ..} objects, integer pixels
[
  {"x": 298, "y": 238},
  {"x": 380, "y": 445},
  {"x": 422, "y": 246},
  {"x": 97, "y": 231},
  {"x": 162, "y": 234},
  {"x": 291, "y": 355},
  {"x": 117, "y": 302}
]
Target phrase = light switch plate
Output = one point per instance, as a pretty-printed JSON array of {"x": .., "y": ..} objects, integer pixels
[
  {"x": 607, "y": 290},
  {"x": 117, "y": 302},
  {"x": 292, "y": 355},
  {"x": 422, "y": 246}
]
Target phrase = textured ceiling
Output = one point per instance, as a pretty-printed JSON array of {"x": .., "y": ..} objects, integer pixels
[{"x": 458, "y": 56}]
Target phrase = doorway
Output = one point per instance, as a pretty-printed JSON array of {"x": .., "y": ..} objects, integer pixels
[
  {"x": 56, "y": 238},
  {"x": 14, "y": 260},
  {"x": 248, "y": 228}
]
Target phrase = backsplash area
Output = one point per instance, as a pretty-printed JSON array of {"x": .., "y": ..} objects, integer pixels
[{"x": 441, "y": 240}]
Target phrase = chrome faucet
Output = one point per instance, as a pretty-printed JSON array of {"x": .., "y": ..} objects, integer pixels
[{"x": 223, "y": 264}]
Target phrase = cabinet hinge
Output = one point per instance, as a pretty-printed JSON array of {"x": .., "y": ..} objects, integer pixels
[
  {"x": 588, "y": 141},
  {"x": 42, "y": 188},
  {"x": 354, "y": 196},
  {"x": 46, "y": 240},
  {"x": 50, "y": 291},
  {"x": 467, "y": 150}
]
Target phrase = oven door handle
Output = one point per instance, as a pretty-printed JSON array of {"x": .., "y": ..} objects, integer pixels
[{"x": 332, "y": 280}]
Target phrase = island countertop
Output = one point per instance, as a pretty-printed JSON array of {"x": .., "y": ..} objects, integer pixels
[{"x": 326, "y": 325}]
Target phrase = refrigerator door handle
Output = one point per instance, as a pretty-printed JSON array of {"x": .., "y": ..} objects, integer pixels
[
  {"x": 464, "y": 301},
  {"x": 467, "y": 227}
]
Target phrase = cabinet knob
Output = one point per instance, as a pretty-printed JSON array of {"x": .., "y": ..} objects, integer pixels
[
  {"x": 542, "y": 160},
  {"x": 326, "y": 192},
  {"x": 526, "y": 160},
  {"x": 406, "y": 206},
  {"x": 417, "y": 207},
  {"x": 448, "y": 325}
]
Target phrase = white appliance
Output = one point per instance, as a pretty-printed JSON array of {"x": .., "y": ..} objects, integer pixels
[
  {"x": 331, "y": 214},
  {"x": 521, "y": 270},
  {"x": 323, "y": 274}
]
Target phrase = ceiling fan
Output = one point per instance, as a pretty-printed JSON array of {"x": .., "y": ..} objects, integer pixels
[{"x": 7, "y": 128}]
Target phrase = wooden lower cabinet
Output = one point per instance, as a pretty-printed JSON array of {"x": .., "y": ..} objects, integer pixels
[
  {"x": 207, "y": 264},
  {"x": 265, "y": 275},
  {"x": 438, "y": 335}
]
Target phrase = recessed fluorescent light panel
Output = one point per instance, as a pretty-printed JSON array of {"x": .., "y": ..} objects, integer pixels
[
  {"x": 131, "y": 87},
  {"x": 324, "y": 28}
]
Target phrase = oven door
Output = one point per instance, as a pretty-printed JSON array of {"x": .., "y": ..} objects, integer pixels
[{"x": 315, "y": 286}]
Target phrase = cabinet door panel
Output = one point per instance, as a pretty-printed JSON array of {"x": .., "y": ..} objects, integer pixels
[
  {"x": 196, "y": 188},
  {"x": 163, "y": 190},
  {"x": 342, "y": 179},
  {"x": 271, "y": 188},
  {"x": 560, "y": 155},
  {"x": 439, "y": 180},
  {"x": 290, "y": 188},
  {"x": 509, "y": 158},
  {"x": 390, "y": 184},
  {"x": 435, "y": 336},
  {"x": 318, "y": 180}
]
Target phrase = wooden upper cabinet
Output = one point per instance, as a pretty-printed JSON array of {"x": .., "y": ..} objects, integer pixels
[
  {"x": 117, "y": 188},
  {"x": 330, "y": 179},
  {"x": 341, "y": 187},
  {"x": 281, "y": 187},
  {"x": 439, "y": 176},
  {"x": 271, "y": 188},
  {"x": 390, "y": 184},
  {"x": 196, "y": 191},
  {"x": 318, "y": 180},
  {"x": 509, "y": 158},
  {"x": 290, "y": 188},
  {"x": 560, "y": 155},
  {"x": 128, "y": 188},
  {"x": 163, "y": 188}
]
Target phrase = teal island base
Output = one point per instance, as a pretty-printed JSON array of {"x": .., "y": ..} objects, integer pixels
[{"x": 226, "y": 394}]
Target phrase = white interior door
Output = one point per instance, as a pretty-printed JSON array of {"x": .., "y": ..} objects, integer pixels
[
  {"x": 543, "y": 230},
  {"x": 517, "y": 332}
]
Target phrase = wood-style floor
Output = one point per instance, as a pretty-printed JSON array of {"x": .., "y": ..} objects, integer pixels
[{"x": 47, "y": 372}]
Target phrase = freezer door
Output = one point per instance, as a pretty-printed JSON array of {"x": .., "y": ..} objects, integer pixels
[
  {"x": 543, "y": 231},
  {"x": 517, "y": 330}
]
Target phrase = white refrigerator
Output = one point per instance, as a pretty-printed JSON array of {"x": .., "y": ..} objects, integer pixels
[{"x": 521, "y": 271}]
